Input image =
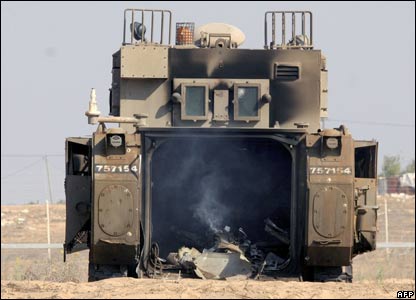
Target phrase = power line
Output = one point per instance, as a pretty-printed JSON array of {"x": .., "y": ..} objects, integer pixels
[
  {"x": 60, "y": 169},
  {"x": 21, "y": 170},
  {"x": 373, "y": 123}
]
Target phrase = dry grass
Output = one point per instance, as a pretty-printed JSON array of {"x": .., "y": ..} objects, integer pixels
[
  {"x": 33, "y": 264},
  {"x": 27, "y": 223}
]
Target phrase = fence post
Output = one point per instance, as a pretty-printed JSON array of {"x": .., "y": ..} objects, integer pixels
[
  {"x": 48, "y": 231},
  {"x": 386, "y": 219},
  {"x": 49, "y": 178},
  {"x": 47, "y": 208}
]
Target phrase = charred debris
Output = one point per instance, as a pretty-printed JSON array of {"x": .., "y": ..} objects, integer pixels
[{"x": 233, "y": 256}]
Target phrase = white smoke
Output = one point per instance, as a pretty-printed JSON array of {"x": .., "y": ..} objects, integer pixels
[{"x": 208, "y": 209}]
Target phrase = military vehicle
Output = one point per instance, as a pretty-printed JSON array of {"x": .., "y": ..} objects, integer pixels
[{"x": 213, "y": 140}]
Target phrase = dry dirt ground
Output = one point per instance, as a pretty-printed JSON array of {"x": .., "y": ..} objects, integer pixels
[
  {"x": 192, "y": 288},
  {"x": 26, "y": 273}
]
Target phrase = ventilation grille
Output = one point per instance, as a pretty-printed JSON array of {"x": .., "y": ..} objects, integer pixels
[{"x": 284, "y": 72}]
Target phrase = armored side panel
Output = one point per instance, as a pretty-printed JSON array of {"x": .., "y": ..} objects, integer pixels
[
  {"x": 330, "y": 170},
  {"x": 115, "y": 234},
  {"x": 115, "y": 86}
]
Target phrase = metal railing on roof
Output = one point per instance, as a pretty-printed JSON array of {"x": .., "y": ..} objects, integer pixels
[
  {"x": 304, "y": 40},
  {"x": 142, "y": 12}
]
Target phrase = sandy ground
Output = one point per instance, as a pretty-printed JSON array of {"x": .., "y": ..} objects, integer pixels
[
  {"x": 27, "y": 223},
  {"x": 190, "y": 288}
]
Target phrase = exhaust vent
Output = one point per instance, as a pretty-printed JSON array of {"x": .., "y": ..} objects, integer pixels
[{"x": 285, "y": 72}]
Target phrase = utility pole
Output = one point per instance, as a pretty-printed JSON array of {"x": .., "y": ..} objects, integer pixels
[{"x": 48, "y": 231}]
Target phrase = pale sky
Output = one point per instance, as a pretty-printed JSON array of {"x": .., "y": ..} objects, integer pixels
[{"x": 52, "y": 54}]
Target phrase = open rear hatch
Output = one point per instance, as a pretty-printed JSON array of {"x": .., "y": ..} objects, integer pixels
[{"x": 218, "y": 191}]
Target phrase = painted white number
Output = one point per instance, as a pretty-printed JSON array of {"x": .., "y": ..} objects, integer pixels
[
  {"x": 346, "y": 171},
  {"x": 115, "y": 168},
  {"x": 330, "y": 171}
]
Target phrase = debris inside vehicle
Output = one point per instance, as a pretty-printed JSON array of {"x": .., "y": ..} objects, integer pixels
[{"x": 231, "y": 257}]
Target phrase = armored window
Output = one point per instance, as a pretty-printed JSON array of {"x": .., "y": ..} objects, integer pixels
[
  {"x": 195, "y": 102},
  {"x": 246, "y": 102}
]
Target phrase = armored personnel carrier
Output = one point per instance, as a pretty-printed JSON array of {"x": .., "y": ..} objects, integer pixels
[{"x": 218, "y": 164}]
